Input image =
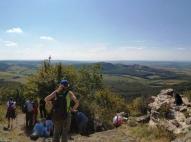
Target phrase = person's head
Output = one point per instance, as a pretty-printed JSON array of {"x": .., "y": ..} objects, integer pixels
[
  {"x": 63, "y": 85},
  {"x": 11, "y": 99}
]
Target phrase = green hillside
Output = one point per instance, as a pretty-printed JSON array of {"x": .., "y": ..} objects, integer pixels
[{"x": 130, "y": 80}]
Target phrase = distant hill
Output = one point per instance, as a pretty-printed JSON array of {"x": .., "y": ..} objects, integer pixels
[
  {"x": 126, "y": 78},
  {"x": 136, "y": 70}
]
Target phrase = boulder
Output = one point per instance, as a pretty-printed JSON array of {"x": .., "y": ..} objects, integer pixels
[
  {"x": 183, "y": 108},
  {"x": 180, "y": 117},
  {"x": 143, "y": 119},
  {"x": 186, "y": 138},
  {"x": 186, "y": 101},
  {"x": 175, "y": 122},
  {"x": 169, "y": 92},
  {"x": 167, "y": 125},
  {"x": 152, "y": 124},
  {"x": 188, "y": 121}
]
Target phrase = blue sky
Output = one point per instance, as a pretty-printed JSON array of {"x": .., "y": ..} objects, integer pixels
[{"x": 95, "y": 29}]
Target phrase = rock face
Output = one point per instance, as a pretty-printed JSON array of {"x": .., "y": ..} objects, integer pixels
[{"x": 166, "y": 113}]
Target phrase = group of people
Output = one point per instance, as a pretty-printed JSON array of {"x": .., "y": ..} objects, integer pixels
[
  {"x": 30, "y": 108},
  {"x": 59, "y": 121}
]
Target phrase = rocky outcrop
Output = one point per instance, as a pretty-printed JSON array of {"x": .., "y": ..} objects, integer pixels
[{"x": 166, "y": 113}]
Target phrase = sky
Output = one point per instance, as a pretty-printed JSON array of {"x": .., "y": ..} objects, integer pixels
[{"x": 153, "y": 30}]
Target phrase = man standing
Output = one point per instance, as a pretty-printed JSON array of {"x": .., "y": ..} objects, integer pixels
[
  {"x": 29, "y": 113},
  {"x": 61, "y": 111}
]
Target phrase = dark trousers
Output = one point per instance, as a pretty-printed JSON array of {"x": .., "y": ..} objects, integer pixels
[
  {"x": 42, "y": 112},
  {"x": 29, "y": 119},
  {"x": 61, "y": 129}
]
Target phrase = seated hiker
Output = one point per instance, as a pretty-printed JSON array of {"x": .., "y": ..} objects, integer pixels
[
  {"x": 118, "y": 119},
  {"x": 11, "y": 114},
  {"x": 49, "y": 125},
  {"x": 178, "y": 99},
  {"x": 40, "y": 129},
  {"x": 81, "y": 120}
]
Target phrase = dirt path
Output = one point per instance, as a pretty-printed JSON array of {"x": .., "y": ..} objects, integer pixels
[{"x": 19, "y": 134}]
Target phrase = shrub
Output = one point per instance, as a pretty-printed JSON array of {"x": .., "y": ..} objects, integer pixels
[
  {"x": 188, "y": 94},
  {"x": 138, "y": 106}
]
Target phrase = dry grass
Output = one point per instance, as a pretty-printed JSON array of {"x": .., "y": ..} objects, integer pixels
[{"x": 145, "y": 134}]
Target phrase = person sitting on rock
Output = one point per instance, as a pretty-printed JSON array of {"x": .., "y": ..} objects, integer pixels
[{"x": 178, "y": 99}]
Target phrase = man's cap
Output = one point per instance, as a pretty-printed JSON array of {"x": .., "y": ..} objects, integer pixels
[{"x": 64, "y": 83}]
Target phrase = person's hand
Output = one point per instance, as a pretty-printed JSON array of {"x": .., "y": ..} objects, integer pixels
[{"x": 73, "y": 110}]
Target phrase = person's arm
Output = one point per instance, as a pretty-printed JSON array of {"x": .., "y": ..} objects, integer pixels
[
  {"x": 7, "y": 104},
  {"x": 73, "y": 98},
  {"x": 50, "y": 97}
]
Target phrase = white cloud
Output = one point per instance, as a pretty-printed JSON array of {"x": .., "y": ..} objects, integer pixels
[
  {"x": 140, "y": 41},
  {"x": 133, "y": 47},
  {"x": 47, "y": 38},
  {"x": 15, "y": 30},
  {"x": 91, "y": 51},
  {"x": 181, "y": 48},
  {"x": 10, "y": 43}
]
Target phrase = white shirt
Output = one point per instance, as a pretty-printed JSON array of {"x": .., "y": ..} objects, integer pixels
[{"x": 12, "y": 103}]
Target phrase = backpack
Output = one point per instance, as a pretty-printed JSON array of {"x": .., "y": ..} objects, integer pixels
[
  {"x": 59, "y": 108},
  {"x": 24, "y": 108},
  {"x": 10, "y": 107}
]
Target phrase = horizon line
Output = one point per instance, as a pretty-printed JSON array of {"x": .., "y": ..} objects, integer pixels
[{"x": 77, "y": 60}]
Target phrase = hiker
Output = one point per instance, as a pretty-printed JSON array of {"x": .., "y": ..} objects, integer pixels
[
  {"x": 81, "y": 120},
  {"x": 119, "y": 119},
  {"x": 61, "y": 111},
  {"x": 178, "y": 99},
  {"x": 11, "y": 114},
  {"x": 29, "y": 113},
  {"x": 35, "y": 111},
  {"x": 40, "y": 130},
  {"x": 42, "y": 108},
  {"x": 49, "y": 125}
]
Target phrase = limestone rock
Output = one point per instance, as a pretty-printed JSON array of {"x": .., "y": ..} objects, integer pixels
[{"x": 143, "y": 119}]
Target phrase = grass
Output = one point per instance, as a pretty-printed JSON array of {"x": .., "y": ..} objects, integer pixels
[
  {"x": 145, "y": 134},
  {"x": 2, "y": 113}
]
